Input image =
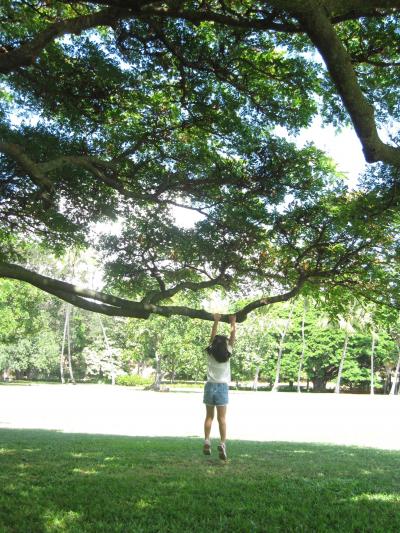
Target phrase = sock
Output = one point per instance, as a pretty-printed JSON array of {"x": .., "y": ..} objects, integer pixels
[{"x": 206, "y": 441}]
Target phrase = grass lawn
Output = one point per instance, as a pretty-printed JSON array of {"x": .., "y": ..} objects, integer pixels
[{"x": 52, "y": 481}]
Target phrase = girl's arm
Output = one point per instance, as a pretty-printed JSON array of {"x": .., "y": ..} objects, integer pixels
[
  {"x": 215, "y": 326},
  {"x": 232, "y": 321}
]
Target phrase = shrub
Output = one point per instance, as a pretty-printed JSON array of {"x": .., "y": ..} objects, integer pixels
[{"x": 133, "y": 381}]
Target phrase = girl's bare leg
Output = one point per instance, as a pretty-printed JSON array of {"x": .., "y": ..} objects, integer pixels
[
  {"x": 221, "y": 416},
  {"x": 208, "y": 421}
]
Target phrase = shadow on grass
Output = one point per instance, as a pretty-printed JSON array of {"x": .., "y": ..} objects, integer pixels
[{"x": 51, "y": 481}]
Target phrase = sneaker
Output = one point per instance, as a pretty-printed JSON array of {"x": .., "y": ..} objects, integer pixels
[
  {"x": 207, "y": 449},
  {"x": 222, "y": 452}
]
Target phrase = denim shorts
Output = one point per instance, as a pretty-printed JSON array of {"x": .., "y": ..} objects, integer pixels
[{"x": 215, "y": 393}]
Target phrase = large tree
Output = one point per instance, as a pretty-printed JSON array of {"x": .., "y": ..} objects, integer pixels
[{"x": 133, "y": 107}]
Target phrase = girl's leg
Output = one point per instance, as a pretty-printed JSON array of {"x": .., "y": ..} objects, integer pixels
[
  {"x": 208, "y": 421},
  {"x": 221, "y": 416}
]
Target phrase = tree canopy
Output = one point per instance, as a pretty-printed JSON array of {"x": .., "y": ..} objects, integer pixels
[{"x": 117, "y": 111}]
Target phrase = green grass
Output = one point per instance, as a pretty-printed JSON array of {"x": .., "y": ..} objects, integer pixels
[{"x": 52, "y": 481}]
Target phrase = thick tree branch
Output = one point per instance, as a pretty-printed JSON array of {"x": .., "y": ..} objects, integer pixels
[
  {"x": 322, "y": 33},
  {"x": 107, "y": 304},
  {"x": 54, "y": 286},
  {"x": 15, "y": 152},
  {"x": 26, "y": 54}
]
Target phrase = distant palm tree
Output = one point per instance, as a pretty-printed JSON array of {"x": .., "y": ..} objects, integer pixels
[
  {"x": 346, "y": 324},
  {"x": 366, "y": 321},
  {"x": 108, "y": 351},
  {"x": 396, "y": 373},
  {"x": 374, "y": 340},
  {"x": 283, "y": 333},
  {"x": 303, "y": 342}
]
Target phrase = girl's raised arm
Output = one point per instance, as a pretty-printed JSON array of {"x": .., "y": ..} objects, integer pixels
[
  {"x": 232, "y": 321},
  {"x": 215, "y": 326}
]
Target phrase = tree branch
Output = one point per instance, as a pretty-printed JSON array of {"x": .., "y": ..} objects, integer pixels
[
  {"x": 99, "y": 302},
  {"x": 26, "y": 54},
  {"x": 319, "y": 28},
  {"x": 15, "y": 152},
  {"x": 155, "y": 296}
]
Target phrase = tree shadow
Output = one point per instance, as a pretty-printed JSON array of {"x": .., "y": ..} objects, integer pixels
[{"x": 53, "y": 481}]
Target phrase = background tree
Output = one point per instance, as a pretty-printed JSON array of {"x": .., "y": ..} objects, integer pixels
[{"x": 28, "y": 332}]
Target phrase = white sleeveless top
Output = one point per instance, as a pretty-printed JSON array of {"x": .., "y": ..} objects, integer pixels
[{"x": 219, "y": 372}]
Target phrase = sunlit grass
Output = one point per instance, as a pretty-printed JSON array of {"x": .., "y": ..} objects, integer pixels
[{"x": 52, "y": 482}]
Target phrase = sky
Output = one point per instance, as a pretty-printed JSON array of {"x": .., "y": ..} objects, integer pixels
[{"x": 344, "y": 147}]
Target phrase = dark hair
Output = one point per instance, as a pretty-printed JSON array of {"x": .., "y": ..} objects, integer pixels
[{"x": 219, "y": 349}]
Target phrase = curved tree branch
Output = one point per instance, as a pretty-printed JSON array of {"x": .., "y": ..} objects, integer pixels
[
  {"x": 319, "y": 28},
  {"x": 99, "y": 302},
  {"x": 26, "y": 54},
  {"x": 15, "y": 152}
]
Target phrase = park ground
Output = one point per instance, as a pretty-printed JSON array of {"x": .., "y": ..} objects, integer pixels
[
  {"x": 101, "y": 458},
  {"x": 359, "y": 420}
]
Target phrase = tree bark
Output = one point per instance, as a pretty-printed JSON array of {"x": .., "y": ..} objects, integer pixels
[
  {"x": 62, "y": 360},
  {"x": 100, "y": 302},
  {"x": 108, "y": 350},
  {"x": 396, "y": 374},
  {"x": 303, "y": 345},
  {"x": 372, "y": 389},
  {"x": 255, "y": 381},
  {"x": 319, "y": 384},
  {"x": 344, "y": 353},
  {"x": 388, "y": 379},
  {"x": 157, "y": 382},
  {"x": 27, "y": 53},
  {"x": 321, "y": 31},
  {"x": 69, "y": 345},
  {"x": 280, "y": 351}
]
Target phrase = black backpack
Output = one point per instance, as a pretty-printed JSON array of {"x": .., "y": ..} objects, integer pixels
[{"x": 219, "y": 349}]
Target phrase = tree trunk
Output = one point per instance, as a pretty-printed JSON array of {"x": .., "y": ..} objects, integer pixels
[
  {"x": 108, "y": 350},
  {"x": 69, "y": 345},
  {"x": 280, "y": 351},
  {"x": 319, "y": 384},
  {"x": 156, "y": 386},
  {"x": 372, "y": 389},
  {"x": 255, "y": 381},
  {"x": 396, "y": 374},
  {"x": 339, "y": 378},
  {"x": 303, "y": 346},
  {"x": 388, "y": 380},
  {"x": 62, "y": 360}
]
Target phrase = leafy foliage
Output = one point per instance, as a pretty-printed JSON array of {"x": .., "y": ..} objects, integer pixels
[{"x": 115, "y": 114}]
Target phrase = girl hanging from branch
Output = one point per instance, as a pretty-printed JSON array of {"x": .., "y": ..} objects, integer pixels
[{"x": 217, "y": 386}]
